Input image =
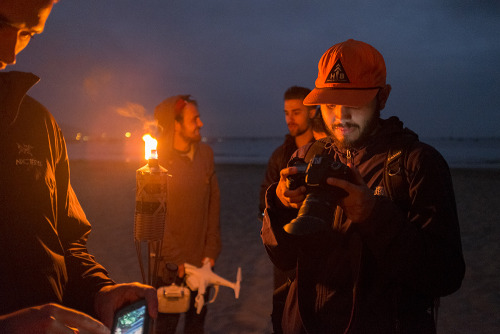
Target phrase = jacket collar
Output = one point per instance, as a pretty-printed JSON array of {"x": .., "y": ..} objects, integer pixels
[{"x": 13, "y": 88}]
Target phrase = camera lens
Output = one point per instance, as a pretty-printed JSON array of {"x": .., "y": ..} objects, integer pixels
[{"x": 315, "y": 214}]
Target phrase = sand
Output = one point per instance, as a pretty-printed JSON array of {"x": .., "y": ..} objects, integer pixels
[{"x": 106, "y": 191}]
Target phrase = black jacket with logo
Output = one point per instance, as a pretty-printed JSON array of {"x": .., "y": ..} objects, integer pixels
[
  {"x": 43, "y": 229},
  {"x": 380, "y": 275}
]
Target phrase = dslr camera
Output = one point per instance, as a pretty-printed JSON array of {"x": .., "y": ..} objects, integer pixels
[{"x": 317, "y": 210}]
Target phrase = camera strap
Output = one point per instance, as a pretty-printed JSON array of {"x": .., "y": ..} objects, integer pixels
[{"x": 317, "y": 148}]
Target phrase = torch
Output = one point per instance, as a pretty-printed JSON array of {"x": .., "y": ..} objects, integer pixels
[{"x": 150, "y": 209}]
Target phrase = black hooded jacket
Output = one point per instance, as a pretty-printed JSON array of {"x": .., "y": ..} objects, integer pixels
[
  {"x": 380, "y": 275},
  {"x": 43, "y": 229},
  {"x": 278, "y": 160}
]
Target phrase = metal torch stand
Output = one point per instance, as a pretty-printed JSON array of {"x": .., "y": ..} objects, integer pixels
[{"x": 150, "y": 216}]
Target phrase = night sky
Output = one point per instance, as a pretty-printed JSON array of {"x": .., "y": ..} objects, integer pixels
[{"x": 100, "y": 59}]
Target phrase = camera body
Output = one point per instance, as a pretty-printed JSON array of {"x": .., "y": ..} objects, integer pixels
[
  {"x": 315, "y": 173},
  {"x": 317, "y": 210}
]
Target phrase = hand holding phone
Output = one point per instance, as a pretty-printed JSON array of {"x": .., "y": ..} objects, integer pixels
[{"x": 132, "y": 319}]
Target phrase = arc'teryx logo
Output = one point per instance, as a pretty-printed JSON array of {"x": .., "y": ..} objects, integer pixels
[
  {"x": 26, "y": 150},
  {"x": 337, "y": 74}
]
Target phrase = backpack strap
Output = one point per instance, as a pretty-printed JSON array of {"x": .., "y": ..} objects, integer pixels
[
  {"x": 396, "y": 182},
  {"x": 395, "y": 174}
]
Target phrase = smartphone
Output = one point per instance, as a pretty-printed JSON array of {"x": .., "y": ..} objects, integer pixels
[{"x": 132, "y": 319}]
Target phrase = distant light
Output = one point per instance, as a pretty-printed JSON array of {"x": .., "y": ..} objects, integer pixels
[
  {"x": 128, "y": 134},
  {"x": 85, "y": 138},
  {"x": 78, "y": 136}
]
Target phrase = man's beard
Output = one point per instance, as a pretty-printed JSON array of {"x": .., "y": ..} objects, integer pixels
[
  {"x": 192, "y": 139},
  {"x": 298, "y": 132},
  {"x": 346, "y": 143}
]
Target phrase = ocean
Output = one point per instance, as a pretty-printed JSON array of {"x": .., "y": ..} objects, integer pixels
[{"x": 458, "y": 152}]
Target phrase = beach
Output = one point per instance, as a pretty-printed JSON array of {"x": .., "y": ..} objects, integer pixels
[{"x": 106, "y": 190}]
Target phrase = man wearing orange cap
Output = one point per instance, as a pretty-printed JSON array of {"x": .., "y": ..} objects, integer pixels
[
  {"x": 48, "y": 276},
  {"x": 377, "y": 262}
]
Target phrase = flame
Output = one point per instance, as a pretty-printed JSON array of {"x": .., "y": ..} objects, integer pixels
[{"x": 149, "y": 146}]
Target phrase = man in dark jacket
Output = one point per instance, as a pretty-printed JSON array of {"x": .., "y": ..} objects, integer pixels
[
  {"x": 43, "y": 230},
  {"x": 299, "y": 119},
  {"x": 374, "y": 266}
]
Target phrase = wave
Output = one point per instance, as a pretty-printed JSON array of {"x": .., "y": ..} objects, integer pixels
[{"x": 480, "y": 152}]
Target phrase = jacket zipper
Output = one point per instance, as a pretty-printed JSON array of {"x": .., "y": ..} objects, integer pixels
[{"x": 349, "y": 157}]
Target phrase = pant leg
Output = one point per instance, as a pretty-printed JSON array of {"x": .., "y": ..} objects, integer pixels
[
  {"x": 195, "y": 323},
  {"x": 166, "y": 323},
  {"x": 281, "y": 285}
]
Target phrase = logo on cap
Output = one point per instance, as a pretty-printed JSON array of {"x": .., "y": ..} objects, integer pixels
[{"x": 337, "y": 74}]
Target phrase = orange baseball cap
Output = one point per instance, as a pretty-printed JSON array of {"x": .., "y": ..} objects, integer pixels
[{"x": 349, "y": 73}]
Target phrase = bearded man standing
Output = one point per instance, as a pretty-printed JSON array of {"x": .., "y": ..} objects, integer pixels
[
  {"x": 377, "y": 264},
  {"x": 299, "y": 119},
  {"x": 192, "y": 231}
]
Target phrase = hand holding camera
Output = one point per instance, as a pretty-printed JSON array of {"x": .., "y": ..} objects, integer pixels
[
  {"x": 360, "y": 201},
  {"x": 290, "y": 198},
  {"x": 317, "y": 187},
  {"x": 317, "y": 210}
]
